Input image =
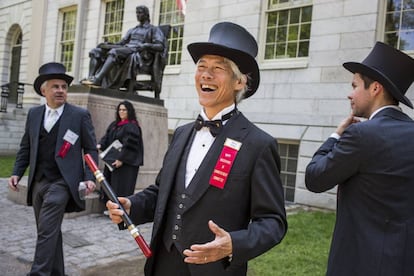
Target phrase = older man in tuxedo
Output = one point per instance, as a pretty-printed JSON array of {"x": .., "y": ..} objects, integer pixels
[
  {"x": 56, "y": 136},
  {"x": 218, "y": 200},
  {"x": 372, "y": 164}
]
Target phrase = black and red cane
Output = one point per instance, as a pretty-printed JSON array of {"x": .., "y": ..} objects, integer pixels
[{"x": 146, "y": 250}]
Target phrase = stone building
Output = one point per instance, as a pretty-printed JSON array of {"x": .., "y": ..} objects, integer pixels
[{"x": 302, "y": 45}]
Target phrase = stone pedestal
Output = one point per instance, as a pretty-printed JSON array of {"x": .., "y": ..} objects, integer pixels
[{"x": 151, "y": 115}]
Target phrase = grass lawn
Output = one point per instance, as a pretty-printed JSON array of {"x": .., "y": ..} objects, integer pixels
[
  {"x": 303, "y": 251},
  {"x": 6, "y": 165}
]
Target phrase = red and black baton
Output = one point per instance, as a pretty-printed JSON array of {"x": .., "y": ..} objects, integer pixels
[{"x": 146, "y": 250}]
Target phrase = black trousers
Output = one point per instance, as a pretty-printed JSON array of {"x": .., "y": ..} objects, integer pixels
[{"x": 49, "y": 203}]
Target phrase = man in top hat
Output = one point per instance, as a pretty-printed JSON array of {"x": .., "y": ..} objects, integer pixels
[
  {"x": 55, "y": 138},
  {"x": 372, "y": 164},
  {"x": 218, "y": 200}
]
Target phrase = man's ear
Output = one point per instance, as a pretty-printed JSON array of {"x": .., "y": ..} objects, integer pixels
[
  {"x": 241, "y": 82},
  {"x": 376, "y": 87}
]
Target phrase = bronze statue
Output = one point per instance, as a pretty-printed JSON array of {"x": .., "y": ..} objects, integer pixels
[{"x": 135, "y": 53}]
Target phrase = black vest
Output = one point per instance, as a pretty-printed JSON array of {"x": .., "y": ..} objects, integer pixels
[
  {"x": 45, "y": 164},
  {"x": 177, "y": 204}
]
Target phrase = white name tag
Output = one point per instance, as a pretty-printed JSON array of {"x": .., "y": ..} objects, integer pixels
[
  {"x": 71, "y": 137},
  {"x": 233, "y": 144}
]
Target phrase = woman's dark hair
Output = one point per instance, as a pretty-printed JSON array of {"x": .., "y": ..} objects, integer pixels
[{"x": 131, "y": 111}]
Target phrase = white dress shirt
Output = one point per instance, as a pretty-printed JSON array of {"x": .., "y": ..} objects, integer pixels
[
  {"x": 201, "y": 144},
  {"x": 49, "y": 121}
]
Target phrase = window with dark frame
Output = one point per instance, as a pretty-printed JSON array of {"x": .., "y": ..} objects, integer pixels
[
  {"x": 114, "y": 16},
  {"x": 67, "y": 40},
  {"x": 171, "y": 14},
  {"x": 289, "y": 154},
  {"x": 288, "y": 26},
  {"x": 399, "y": 24}
]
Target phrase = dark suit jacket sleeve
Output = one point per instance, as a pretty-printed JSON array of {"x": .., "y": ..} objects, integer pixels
[
  {"x": 336, "y": 160},
  {"x": 268, "y": 218},
  {"x": 143, "y": 203},
  {"x": 23, "y": 155}
]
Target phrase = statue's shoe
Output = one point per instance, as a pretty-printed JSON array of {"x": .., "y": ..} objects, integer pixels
[
  {"x": 91, "y": 82},
  {"x": 86, "y": 81}
]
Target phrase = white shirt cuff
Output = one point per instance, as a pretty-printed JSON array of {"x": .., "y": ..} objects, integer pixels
[{"x": 335, "y": 135}]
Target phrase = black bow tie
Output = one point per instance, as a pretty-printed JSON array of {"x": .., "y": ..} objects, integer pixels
[{"x": 214, "y": 126}]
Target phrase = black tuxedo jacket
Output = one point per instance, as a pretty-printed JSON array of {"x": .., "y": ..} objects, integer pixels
[
  {"x": 250, "y": 207},
  {"x": 373, "y": 165},
  {"x": 71, "y": 166}
]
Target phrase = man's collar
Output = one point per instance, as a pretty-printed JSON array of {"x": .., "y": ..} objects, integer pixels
[
  {"x": 382, "y": 108},
  {"x": 219, "y": 114},
  {"x": 59, "y": 109}
]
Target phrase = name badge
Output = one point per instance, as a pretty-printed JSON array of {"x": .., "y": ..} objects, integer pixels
[
  {"x": 70, "y": 136},
  {"x": 224, "y": 163}
]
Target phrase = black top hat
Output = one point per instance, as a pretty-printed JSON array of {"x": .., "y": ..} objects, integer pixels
[
  {"x": 49, "y": 71},
  {"x": 235, "y": 43},
  {"x": 390, "y": 67}
]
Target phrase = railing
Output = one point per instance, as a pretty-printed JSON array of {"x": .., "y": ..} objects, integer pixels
[
  {"x": 5, "y": 93},
  {"x": 4, "y": 97}
]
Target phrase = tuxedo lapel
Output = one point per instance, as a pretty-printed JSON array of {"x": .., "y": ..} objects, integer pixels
[
  {"x": 64, "y": 124},
  {"x": 170, "y": 166},
  {"x": 36, "y": 123},
  {"x": 234, "y": 129},
  {"x": 176, "y": 151}
]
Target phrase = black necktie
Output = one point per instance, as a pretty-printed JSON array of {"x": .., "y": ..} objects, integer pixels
[{"x": 214, "y": 126}]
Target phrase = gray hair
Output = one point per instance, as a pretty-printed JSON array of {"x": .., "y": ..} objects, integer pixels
[
  {"x": 43, "y": 85},
  {"x": 238, "y": 76}
]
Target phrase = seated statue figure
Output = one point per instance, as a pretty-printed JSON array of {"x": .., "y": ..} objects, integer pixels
[{"x": 135, "y": 53}]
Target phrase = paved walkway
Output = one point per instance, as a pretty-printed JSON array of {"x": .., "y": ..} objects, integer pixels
[{"x": 92, "y": 244}]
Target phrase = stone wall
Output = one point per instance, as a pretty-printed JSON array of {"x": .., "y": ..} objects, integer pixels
[{"x": 11, "y": 129}]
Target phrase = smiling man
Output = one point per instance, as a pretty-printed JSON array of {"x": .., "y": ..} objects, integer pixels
[{"x": 218, "y": 200}]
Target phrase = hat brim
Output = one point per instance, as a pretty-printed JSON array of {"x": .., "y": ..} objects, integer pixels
[
  {"x": 42, "y": 78},
  {"x": 356, "y": 67},
  {"x": 246, "y": 63}
]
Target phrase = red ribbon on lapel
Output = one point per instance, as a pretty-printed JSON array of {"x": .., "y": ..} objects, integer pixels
[
  {"x": 224, "y": 163},
  {"x": 64, "y": 149}
]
